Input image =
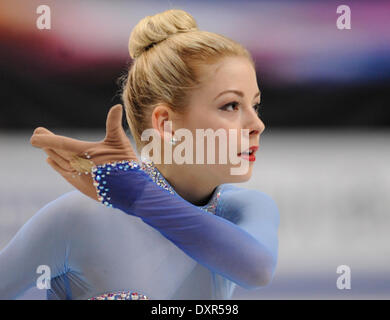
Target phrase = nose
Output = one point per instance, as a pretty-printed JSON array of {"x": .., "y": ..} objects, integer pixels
[{"x": 255, "y": 125}]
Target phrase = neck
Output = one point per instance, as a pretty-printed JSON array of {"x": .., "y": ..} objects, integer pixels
[{"x": 186, "y": 184}]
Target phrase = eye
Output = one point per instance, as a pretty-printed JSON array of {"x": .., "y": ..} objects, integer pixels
[
  {"x": 232, "y": 104},
  {"x": 258, "y": 107}
]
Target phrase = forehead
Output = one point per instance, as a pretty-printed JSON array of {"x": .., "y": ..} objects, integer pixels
[{"x": 228, "y": 73}]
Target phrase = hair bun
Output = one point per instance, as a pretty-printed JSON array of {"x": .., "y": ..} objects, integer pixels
[{"x": 154, "y": 29}]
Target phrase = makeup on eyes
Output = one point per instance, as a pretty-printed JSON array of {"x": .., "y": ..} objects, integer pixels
[{"x": 256, "y": 106}]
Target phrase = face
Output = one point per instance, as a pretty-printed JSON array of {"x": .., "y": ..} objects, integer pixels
[{"x": 227, "y": 99}]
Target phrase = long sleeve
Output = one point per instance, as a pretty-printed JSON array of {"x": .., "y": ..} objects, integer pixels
[
  {"x": 254, "y": 212},
  {"x": 246, "y": 258}
]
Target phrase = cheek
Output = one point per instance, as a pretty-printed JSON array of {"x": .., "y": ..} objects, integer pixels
[
  {"x": 233, "y": 140},
  {"x": 197, "y": 117},
  {"x": 227, "y": 143},
  {"x": 209, "y": 120},
  {"x": 206, "y": 117}
]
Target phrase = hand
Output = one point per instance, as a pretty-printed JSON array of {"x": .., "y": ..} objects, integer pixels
[{"x": 63, "y": 152}]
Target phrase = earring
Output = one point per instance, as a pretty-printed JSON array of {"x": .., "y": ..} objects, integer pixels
[{"x": 173, "y": 141}]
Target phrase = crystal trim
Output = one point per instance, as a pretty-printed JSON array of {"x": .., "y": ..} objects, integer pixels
[
  {"x": 149, "y": 167},
  {"x": 120, "y": 295},
  {"x": 99, "y": 173}
]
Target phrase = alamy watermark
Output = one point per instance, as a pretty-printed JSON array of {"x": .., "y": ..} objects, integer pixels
[
  {"x": 344, "y": 280},
  {"x": 237, "y": 151},
  {"x": 344, "y": 20},
  {"x": 43, "y": 281},
  {"x": 44, "y": 20}
]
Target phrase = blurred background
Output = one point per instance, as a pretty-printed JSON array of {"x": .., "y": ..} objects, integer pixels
[{"x": 325, "y": 153}]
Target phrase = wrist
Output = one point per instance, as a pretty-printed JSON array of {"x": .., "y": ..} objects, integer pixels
[{"x": 103, "y": 179}]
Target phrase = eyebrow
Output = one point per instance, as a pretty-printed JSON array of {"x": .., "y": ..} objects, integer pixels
[{"x": 240, "y": 93}]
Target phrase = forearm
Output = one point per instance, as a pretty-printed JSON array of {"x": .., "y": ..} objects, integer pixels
[{"x": 213, "y": 241}]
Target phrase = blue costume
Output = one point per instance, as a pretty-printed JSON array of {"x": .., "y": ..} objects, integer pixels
[{"x": 146, "y": 242}]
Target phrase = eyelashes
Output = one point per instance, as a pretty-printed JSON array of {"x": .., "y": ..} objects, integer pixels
[{"x": 257, "y": 107}]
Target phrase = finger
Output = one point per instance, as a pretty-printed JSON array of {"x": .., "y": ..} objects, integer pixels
[
  {"x": 53, "y": 141},
  {"x": 66, "y": 174},
  {"x": 42, "y": 130},
  {"x": 114, "y": 121},
  {"x": 63, "y": 163},
  {"x": 63, "y": 154},
  {"x": 73, "y": 179}
]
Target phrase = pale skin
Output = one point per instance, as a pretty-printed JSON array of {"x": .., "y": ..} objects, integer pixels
[{"x": 195, "y": 183}]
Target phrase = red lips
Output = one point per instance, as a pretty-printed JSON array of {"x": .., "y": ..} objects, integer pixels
[{"x": 249, "y": 156}]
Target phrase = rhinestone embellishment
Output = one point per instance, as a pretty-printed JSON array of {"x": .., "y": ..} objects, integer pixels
[
  {"x": 120, "y": 295},
  {"x": 156, "y": 175},
  {"x": 99, "y": 173}
]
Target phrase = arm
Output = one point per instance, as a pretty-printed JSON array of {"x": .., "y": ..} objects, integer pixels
[
  {"x": 215, "y": 242},
  {"x": 256, "y": 213},
  {"x": 43, "y": 240}
]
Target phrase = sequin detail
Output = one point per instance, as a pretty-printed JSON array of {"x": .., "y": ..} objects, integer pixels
[
  {"x": 212, "y": 205},
  {"x": 120, "y": 295},
  {"x": 156, "y": 175},
  {"x": 99, "y": 173}
]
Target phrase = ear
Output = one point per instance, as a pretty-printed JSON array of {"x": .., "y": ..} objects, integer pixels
[{"x": 163, "y": 120}]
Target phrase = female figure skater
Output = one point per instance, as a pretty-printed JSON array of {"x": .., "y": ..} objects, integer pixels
[{"x": 166, "y": 230}]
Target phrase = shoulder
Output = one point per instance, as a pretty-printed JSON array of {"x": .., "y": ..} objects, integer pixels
[
  {"x": 246, "y": 203},
  {"x": 238, "y": 196}
]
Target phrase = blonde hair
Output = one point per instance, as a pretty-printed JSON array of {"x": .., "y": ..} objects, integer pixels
[{"x": 168, "y": 51}]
